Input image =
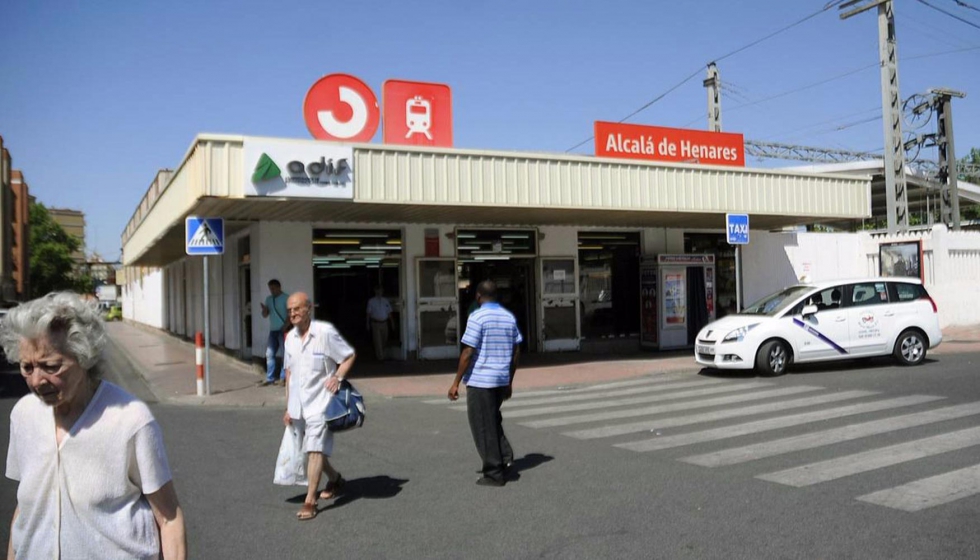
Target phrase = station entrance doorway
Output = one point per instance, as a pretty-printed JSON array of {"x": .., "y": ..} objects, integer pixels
[
  {"x": 506, "y": 256},
  {"x": 609, "y": 284},
  {"x": 515, "y": 292},
  {"x": 347, "y": 267},
  {"x": 717, "y": 244}
]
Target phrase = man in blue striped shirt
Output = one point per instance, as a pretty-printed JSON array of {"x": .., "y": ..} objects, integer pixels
[{"x": 487, "y": 364}]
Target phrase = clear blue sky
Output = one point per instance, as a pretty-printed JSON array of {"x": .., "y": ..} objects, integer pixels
[{"x": 96, "y": 96}]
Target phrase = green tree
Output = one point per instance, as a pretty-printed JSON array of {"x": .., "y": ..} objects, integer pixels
[{"x": 52, "y": 267}]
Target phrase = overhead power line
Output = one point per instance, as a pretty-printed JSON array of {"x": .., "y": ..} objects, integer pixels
[
  {"x": 806, "y": 87},
  {"x": 651, "y": 102},
  {"x": 801, "y": 128},
  {"x": 935, "y": 33},
  {"x": 954, "y": 16},
  {"x": 826, "y": 7},
  {"x": 844, "y": 75},
  {"x": 661, "y": 96},
  {"x": 965, "y": 5}
]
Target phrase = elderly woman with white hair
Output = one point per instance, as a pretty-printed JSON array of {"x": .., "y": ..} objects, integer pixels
[{"x": 93, "y": 476}]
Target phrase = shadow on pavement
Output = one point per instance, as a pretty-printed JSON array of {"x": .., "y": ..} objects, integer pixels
[
  {"x": 530, "y": 461},
  {"x": 374, "y": 487},
  {"x": 878, "y": 362}
]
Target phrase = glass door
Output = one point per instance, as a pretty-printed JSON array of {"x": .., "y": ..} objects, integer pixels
[
  {"x": 437, "y": 305},
  {"x": 558, "y": 305}
]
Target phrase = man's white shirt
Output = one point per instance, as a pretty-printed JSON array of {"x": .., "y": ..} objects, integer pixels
[{"x": 311, "y": 360}]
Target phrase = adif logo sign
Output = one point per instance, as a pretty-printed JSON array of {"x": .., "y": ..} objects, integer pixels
[
  {"x": 298, "y": 169},
  {"x": 323, "y": 172}
]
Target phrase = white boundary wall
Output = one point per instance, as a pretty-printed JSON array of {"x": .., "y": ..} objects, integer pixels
[
  {"x": 950, "y": 264},
  {"x": 143, "y": 297},
  {"x": 951, "y": 270}
]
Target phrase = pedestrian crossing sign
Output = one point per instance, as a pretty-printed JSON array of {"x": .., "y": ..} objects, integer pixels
[{"x": 204, "y": 236}]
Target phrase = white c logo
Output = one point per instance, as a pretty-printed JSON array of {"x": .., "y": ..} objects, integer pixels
[{"x": 358, "y": 119}]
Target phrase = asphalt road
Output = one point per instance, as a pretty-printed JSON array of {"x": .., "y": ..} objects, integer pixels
[{"x": 588, "y": 489}]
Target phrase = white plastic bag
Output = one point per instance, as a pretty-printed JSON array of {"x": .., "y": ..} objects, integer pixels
[{"x": 291, "y": 463}]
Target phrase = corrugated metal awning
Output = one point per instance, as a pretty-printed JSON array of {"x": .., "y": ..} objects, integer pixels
[{"x": 397, "y": 185}]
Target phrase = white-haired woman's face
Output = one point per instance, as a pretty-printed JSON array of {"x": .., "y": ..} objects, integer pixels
[{"x": 56, "y": 378}]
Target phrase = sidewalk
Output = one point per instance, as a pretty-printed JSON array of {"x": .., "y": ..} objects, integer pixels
[{"x": 167, "y": 364}]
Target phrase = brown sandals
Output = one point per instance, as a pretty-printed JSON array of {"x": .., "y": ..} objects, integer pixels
[
  {"x": 333, "y": 488},
  {"x": 308, "y": 512}
]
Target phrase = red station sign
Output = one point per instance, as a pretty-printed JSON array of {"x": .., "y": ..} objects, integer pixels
[
  {"x": 341, "y": 107},
  {"x": 417, "y": 113},
  {"x": 658, "y": 143}
]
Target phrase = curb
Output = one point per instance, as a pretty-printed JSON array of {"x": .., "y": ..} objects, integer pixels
[{"x": 133, "y": 364}]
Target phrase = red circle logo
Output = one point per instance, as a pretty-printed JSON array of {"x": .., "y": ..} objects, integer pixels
[{"x": 341, "y": 107}]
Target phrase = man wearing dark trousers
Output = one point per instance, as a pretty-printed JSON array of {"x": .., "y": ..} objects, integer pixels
[
  {"x": 275, "y": 309},
  {"x": 487, "y": 364}
]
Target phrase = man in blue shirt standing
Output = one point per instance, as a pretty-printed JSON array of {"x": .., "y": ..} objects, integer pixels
[
  {"x": 491, "y": 345},
  {"x": 275, "y": 309}
]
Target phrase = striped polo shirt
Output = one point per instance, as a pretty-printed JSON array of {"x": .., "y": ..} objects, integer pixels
[{"x": 492, "y": 332}]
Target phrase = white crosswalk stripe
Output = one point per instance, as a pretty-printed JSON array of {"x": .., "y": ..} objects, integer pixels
[
  {"x": 606, "y": 394},
  {"x": 774, "y": 423},
  {"x": 664, "y": 402},
  {"x": 660, "y": 409},
  {"x": 660, "y": 424},
  {"x": 875, "y": 459},
  {"x": 601, "y": 387},
  {"x": 828, "y": 437},
  {"x": 577, "y": 390},
  {"x": 604, "y": 404},
  {"x": 929, "y": 492}
]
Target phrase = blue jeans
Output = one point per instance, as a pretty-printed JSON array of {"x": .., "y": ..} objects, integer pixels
[{"x": 272, "y": 346}]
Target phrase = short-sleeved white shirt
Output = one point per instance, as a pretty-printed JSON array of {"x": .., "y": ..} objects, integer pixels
[
  {"x": 311, "y": 361},
  {"x": 86, "y": 498}
]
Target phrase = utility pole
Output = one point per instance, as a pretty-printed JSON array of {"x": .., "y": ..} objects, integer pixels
[
  {"x": 896, "y": 196},
  {"x": 950, "y": 194},
  {"x": 713, "y": 85}
]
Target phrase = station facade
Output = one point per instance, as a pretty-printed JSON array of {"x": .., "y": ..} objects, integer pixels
[{"x": 592, "y": 254}]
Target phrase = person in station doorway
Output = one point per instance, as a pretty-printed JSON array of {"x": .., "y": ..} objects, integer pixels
[
  {"x": 275, "y": 309},
  {"x": 491, "y": 345},
  {"x": 316, "y": 360},
  {"x": 379, "y": 321}
]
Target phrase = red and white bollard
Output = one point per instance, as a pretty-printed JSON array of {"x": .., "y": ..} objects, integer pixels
[{"x": 199, "y": 359}]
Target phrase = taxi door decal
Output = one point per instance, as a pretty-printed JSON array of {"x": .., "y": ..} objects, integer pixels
[{"x": 820, "y": 335}]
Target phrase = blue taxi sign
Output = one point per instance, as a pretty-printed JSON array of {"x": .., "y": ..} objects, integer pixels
[{"x": 737, "y": 228}]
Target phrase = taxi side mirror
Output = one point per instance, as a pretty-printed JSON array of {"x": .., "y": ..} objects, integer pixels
[{"x": 810, "y": 310}]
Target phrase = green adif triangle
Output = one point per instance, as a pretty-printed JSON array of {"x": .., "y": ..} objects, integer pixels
[{"x": 266, "y": 169}]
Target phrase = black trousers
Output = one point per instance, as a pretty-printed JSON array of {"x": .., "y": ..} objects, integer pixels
[{"x": 486, "y": 424}]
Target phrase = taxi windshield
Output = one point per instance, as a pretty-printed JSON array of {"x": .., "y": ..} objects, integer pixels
[{"x": 773, "y": 304}]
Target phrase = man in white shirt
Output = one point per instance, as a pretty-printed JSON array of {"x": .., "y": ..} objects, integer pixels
[
  {"x": 379, "y": 319},
  {"x": 316, "y": 360}
]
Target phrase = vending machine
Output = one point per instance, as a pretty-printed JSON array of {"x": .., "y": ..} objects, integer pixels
[{"x": 677, "y": 299}]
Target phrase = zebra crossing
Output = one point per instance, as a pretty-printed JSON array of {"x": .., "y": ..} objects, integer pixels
[{"x": 637, "y": 408}]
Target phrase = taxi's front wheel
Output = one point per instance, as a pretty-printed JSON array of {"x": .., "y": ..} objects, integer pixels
[
  {"x": 772, "y": 359},
  {"x": 910, "y": 348}
]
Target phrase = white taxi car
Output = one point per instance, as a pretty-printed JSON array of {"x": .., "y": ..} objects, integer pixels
[{"x": 825, "y": 321}]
